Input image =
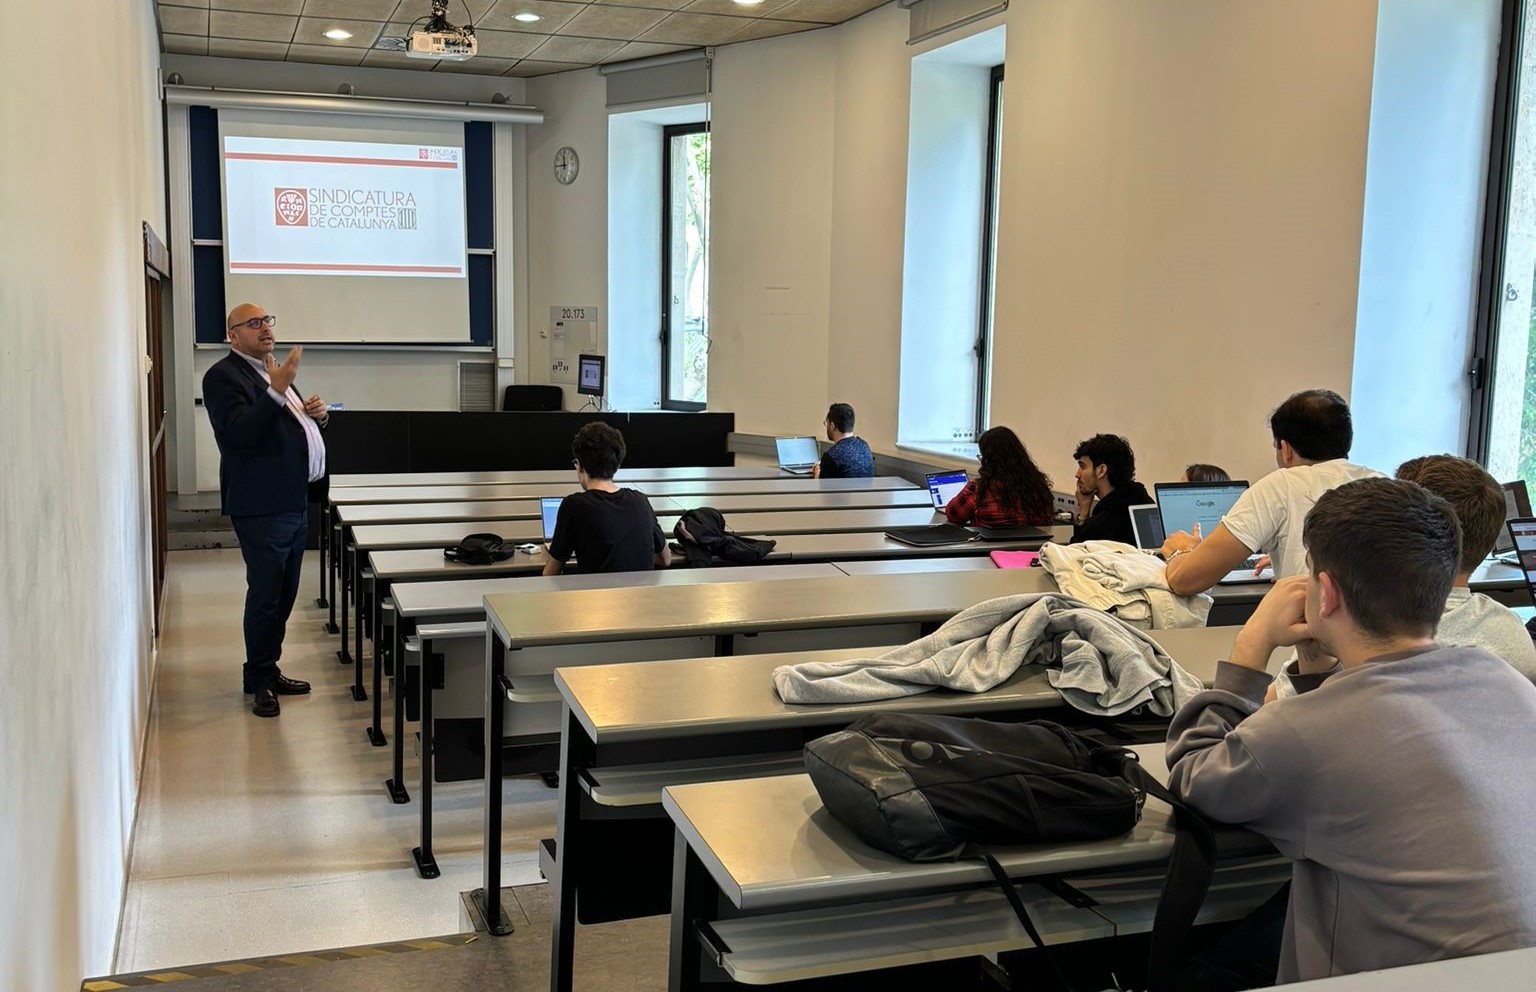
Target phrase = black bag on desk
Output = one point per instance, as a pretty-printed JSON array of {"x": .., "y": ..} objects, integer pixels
[
  {"x": 939, "y": 788},
  {"x": 702, "y": 536},
  {"x": 479, "y": 549}
]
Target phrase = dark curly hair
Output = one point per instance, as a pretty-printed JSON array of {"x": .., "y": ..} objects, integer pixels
[{"x": 1009, "y": 472}]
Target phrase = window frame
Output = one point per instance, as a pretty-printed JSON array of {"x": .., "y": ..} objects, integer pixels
[
  {"x": 668, "y": 132},
  {"x": 990, "y": 214},
  {"x": 1496, "y": 205}
]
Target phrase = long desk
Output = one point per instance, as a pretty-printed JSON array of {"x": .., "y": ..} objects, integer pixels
[
  {"x": 625, "y": 476},
  {"x": 332, "y": 538},
  {"x": 1505, "y": 971},
  {"x": 688, "y": 715},
  {"x": 729, "y": 615},
  {"x": 765, "y": 847}
]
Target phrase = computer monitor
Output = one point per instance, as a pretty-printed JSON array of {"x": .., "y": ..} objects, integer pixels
[
  {"x": 945, "y": 486},
  {"x": 549, "y": 509},
  {"x": 1182, "y": 505},
  {"x": 797, "y": 452},
  {"x": 591, "y": 375},
  {"x": 1517, "y": 503},
  {"x": 1147, "y": 525}
]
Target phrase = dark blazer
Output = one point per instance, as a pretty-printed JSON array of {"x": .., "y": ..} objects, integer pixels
[{"x": 263, "y": 456}]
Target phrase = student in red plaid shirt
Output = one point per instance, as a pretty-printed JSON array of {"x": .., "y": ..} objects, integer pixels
[{"x": 1010, "y": 491}]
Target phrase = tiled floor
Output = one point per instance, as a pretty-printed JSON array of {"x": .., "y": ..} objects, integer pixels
[{"x": 259, "y": 837}]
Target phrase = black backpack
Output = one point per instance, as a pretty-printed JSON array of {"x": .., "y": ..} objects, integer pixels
[
  {"x": 702, "y": 535},
  {"x": 938, "y": 788},
  {"x": 479, "y": 549}
]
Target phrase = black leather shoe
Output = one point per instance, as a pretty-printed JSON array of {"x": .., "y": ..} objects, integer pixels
[
  {"x": 266, "y": 703},
  {"x": 284, "y": 686}
]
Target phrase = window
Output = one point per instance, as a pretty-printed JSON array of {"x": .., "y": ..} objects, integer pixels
[
  {"x": 1503, "y": 369},
  {"x": 989, "y": 254},
  {"x": 685, "y": 267},
  {"x": 954, "y": 153}
]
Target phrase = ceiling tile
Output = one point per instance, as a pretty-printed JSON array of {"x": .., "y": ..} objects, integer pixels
[
  {"x": 200, "y": 4},
  {"x": 409, "y": 10},
  {"x": 552, "y": 15},
  {"x": 397, "y": 60},
  {"x": 623, "y": 23},
  {"x": 252, "y": 27},
  {"x": 825, "y": 11},
  {"x": 731, "y": 7},
  {"x": 532, "y": 67},
  {"x": 582, "y": 51},
  {"x": 693, "y": 29},
  {"x": 312, "y": 30},
  {"x": 363, "y": 10},
  {"x": 507, "y": 44},
  {"x": 183, "y": 20},
  {"x": 185, "y": 44},
  {"x": 658, "y": 4},
  {"x": 479, "y": 66},
  {"x": 643, "y": 50},
  {"x": 260, "y": 6},
  {"x": 768, "y": 27},
  {"x": 325, "y": 54},
  {"x": 230, "y": 48}
]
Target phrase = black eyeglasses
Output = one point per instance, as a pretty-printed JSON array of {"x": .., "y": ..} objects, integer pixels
[{"x": 257, "y": 323}]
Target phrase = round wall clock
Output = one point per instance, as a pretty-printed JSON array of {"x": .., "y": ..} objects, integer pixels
[{"x": 567, "y": 165}]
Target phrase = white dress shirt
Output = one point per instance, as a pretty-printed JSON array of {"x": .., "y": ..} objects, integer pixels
[{"x": 295, "y": 406}]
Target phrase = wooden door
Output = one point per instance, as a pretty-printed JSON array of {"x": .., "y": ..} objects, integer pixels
[{"x": 157, "y": 283}]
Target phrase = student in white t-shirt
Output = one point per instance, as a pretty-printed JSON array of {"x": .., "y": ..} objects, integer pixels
[{"x": 1312, "y": 435}]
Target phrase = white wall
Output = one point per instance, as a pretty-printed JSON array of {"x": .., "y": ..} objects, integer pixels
[
  {"x": 1431, "y": 112},
  {"x": 567, "y": 225},
  {"x": 81, "y": 171}
]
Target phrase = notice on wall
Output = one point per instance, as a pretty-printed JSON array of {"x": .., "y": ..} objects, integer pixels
[{"x": 572, "y": 333}]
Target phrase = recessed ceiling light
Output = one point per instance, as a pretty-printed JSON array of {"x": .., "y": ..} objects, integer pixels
[
  {"x": 749, "y": 3},
  {"x": 338, "y": 34},
  {"x": 526, "y": 17}
]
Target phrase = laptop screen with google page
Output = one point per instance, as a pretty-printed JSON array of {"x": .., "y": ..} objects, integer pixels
[{"x": 1183, "y": 505}]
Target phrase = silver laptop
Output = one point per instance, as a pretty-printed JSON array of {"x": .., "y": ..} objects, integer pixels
[
  {"x": 1147, "y": 525},
  {"x": 797, "y": 455}
]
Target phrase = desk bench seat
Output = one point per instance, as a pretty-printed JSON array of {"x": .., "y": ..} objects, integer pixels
[{"x": 641, "y": 785}]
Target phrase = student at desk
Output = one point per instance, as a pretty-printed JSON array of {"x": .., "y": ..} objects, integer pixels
[
  {"x": 1398, "y": 781},
  {"x": 1106, "y": 490},
  {"x": 849, "y": 457},
  {"x": 607, "y": 528},
  {"x": 1312, "y": 434},
  {"x": 1010, "y": 490}
]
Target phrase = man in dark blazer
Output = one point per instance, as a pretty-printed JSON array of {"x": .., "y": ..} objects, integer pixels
[{"x": 270, "y": 450}]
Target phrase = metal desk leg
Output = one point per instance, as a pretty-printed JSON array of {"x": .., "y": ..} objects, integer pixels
[
  {"x": 329, "y": 575},
  {"x": 695, "y": 903},
  {"x": 395, "y": 785},
  {"x": 426, "y": 864},
  {"x": 324, "y": 541},
  {"x": 576, "y": 753},
  {"x": 488, "y": 898},
  {"x": 376, "y": 732},
  {"x": 346, "y": 556},
  {"x": 358, "y": 692}
]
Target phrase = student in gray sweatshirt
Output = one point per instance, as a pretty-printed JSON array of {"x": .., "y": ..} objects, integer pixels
[{"x": 1399, "y": 781}]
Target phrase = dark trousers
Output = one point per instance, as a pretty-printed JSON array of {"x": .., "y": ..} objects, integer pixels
[{"x": 273, "y": 548}]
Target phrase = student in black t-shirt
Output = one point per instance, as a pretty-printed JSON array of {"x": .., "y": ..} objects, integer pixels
[{"x": 608, "y": 529}]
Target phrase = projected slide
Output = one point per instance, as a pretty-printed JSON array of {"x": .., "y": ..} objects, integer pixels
[{"x": 343, "y": 208}]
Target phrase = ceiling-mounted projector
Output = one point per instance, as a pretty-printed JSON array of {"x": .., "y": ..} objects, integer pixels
[{"x": 441, "y": 40}]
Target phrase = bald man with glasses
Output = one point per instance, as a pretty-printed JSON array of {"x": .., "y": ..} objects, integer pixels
[{"x": 270, "y": 451}]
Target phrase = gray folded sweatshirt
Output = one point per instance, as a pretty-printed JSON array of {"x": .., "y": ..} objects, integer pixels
[
  {"x": 1099, "y": 664},
  {"x": 1403, "y": 790}
]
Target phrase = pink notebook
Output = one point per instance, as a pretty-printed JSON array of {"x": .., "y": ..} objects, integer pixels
[{"x": 1015, "y": 559}]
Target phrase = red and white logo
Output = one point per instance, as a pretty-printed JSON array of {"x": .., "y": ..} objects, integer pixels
[
  {"x": 421, "y": 153},
  {"x": 292, "y": 207}
]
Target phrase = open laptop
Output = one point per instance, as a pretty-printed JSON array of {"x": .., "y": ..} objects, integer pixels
[
  {"x": 797, "y": 455},
  {"x": 1147, "y": 525},
  {"x": 944, "y": 486},
  {"x": 1517, "y": 504},
  {"x": 549, "y": 509},
  {"x": 1182, "y": 505}
]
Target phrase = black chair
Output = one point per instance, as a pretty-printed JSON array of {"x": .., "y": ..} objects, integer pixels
[{"x": 527, "y": 398}]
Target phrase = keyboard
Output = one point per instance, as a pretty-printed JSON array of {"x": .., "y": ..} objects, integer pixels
[{"x": 1244, "y": 574}]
